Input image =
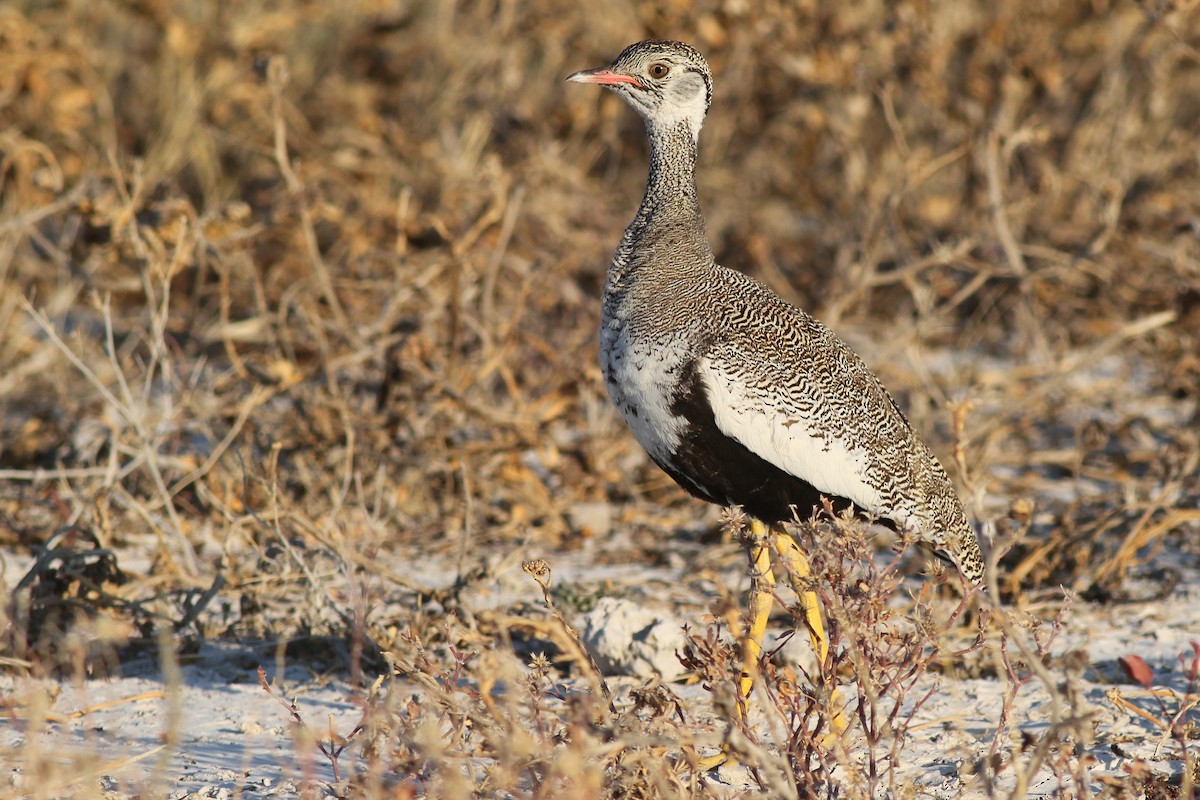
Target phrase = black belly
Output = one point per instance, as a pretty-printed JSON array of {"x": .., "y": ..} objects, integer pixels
[{"x": 721, "y": 470}]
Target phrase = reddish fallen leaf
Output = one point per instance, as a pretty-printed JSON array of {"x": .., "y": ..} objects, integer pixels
[
  {"x": 1192, "y": 671},
  {"x": 1137, "y": 670}
]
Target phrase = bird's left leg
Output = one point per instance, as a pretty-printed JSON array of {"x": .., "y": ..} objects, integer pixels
[
  {"x": 762, "y": 597},
  {"x": 757, "y": 542}
]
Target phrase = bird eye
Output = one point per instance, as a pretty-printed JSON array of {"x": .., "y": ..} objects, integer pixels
[{"x": 659, "y": 70}]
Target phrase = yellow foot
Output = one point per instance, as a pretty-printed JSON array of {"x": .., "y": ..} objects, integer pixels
[{"x": 723, "y": 758}]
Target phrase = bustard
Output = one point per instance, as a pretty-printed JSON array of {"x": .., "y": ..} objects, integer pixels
[{"x": 742, "y": 398}]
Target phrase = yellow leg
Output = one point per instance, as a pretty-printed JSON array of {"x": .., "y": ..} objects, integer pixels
[
  {"x": 798, "y": 570},
  {"x": 761, "y": 542},
  {"x": 762, "y": 586}
]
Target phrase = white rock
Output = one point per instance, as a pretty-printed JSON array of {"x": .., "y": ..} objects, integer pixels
[
  {"x": 626, "y": 638},
  {"x": 595, "y": 518}
]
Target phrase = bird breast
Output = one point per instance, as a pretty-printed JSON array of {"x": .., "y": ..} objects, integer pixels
[{"x": 642, "y": 373}]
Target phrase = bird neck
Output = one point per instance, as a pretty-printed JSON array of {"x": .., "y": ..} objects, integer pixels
[
  {"x": 670, "y": 206},
  {"x": 671, "y": 185}
]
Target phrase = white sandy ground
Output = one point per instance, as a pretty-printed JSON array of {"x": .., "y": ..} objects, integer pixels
[{"x": 234, "y": 739}]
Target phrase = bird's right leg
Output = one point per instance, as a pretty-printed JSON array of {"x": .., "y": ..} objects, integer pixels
[{"x": 798, "y": 573}]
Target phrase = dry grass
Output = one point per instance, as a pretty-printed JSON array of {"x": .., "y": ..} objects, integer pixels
[{"x": 289, "y": 292}]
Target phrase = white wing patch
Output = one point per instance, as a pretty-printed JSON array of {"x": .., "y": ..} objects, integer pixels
[{"x": 781, "y": 436}]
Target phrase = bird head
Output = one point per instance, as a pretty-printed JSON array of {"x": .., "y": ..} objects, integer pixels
[{"x": 667, "y": 82}]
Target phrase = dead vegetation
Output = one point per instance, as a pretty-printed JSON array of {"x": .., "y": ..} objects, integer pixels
[{"x": 289, "y": 297}]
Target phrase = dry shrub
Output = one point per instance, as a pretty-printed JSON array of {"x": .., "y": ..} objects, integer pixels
[{"x": 884, "y": 645}]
